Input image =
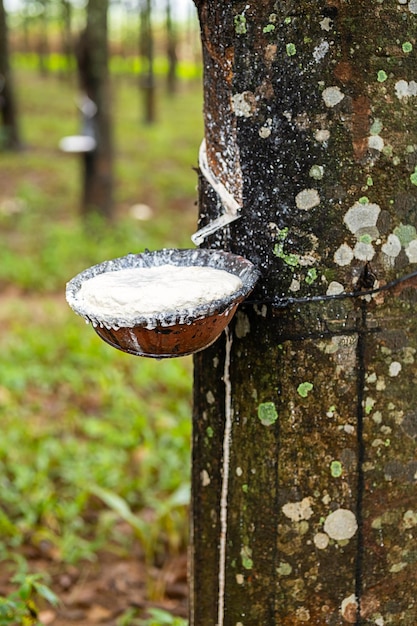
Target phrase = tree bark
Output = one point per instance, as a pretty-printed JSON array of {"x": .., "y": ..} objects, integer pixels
[
  {"x": 66, "y": 36},
  {"x": 171, "y": 50},
  {"x": 304, "y": 425},
  {"x": 10, "y": 136},
  {"x": 147, "y": 52},
  {"x": 92, "y": 58}
]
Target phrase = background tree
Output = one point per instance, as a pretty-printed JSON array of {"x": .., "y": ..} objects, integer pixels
[
  {"x": 146, "y": 47},
  {"x": 65, "y": 18},
  {"x": 92, "y": 58},
  {"x": 171, "y": 49},
  {"x": 9, "y": 137},
  {"x": 304, "y": 468},
  {"x": 42, "y": 7}
]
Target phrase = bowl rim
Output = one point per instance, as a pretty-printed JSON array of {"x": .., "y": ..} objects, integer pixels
[{"x": 201, "y": 257}]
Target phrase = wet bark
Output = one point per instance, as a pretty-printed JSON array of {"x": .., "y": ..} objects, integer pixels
[
  {"x": 9, "y": 133},
  {"x": 92, "y": 60},
  {"x": 304, "y": 458}
]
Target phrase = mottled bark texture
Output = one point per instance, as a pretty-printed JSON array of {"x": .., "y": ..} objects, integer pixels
[
  {"x": 92, "y": 59},
  {"x": 9, "y": 131},
  {"x": 305, "y": 418}
]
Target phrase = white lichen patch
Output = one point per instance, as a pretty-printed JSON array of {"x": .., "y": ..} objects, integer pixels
[
  {"x": 210, "y": 397},
  {"x": 321, "y": 541},
  {"x": 316, "y": 172},
  {"x": 341, "y": 524},
  {"x": 205, "y": 478},
  {"x": 410, "y": 519},
  {"x": 343, "y": 255},
  {"x": 376, "y": 142},
  {"x": 322, "y": 135},
  {"x": 307, "y": 199},
  {"x": 320, "y": 51},
  {"x": 397, "y": 567},
  {"x": 411, "y": 251},
  {"x": 297, "y": 511},
  {"x": 295, "y": 285},
  {"x": 392, "y": 247},
  {"x": 349, "y": 609},
  {"x": 244, "y": 104},
  {"x": 242, "y": 325},
  {"x": 360, "y": 216},
  {"x": 405, "y": 89},
  {"x": 334, "y": 288},
  {"x": 266, "y": 129},
  {"x": 326, "y": 24},
  {"x": 302, "y": 614},
  {"x": 412, "y": 6},
  {"x": 364, "y": 251},
  {"x": 394, "y": 369},
  {"x": 332, "y": 96}
]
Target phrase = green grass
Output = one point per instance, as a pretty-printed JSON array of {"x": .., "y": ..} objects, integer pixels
[{"x": 90, "y": 436}]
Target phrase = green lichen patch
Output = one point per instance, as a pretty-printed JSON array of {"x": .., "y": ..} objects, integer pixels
[
  {"x": 336, "y": 469},
  {"x": 406, "y": 233},
  {"x": 289, "y": 259},
  {"x": 413, "y": 176},
  {"x": 382, "y": 76},
  {"x": 376, "y": 127},
  {"x": 269, "y": 28},
  {"x": 291, "y": 49},
  {"x": 284, "y": 569},
  {"x": 267, "y": 413},
  {"x": 311, "y": 276},
  {"x": 407, "y": 46},
  {"x": 246, "y": 557},
  {"x": 316, "y": 172},
  {"x": 304, "y": 389},
  {"x": 240, "y": 24}
]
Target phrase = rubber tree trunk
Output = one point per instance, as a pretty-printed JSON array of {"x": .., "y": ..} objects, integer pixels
[
  {"x": 9, "y": 133},
  {"x": 147, "y": 79},
  {"x": 42, "y": 37},
  {"x": 66, "y": 36},
  {"x": 305, "y": 422},
  {"x": 92, "y": 59},
  {"x": 171, "y": 49}
]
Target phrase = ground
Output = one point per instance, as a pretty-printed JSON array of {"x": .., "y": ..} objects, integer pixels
[{"x": 100, "y": 592}]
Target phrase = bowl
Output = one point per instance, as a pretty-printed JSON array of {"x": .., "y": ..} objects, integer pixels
[{"x": 173, "y": 332}]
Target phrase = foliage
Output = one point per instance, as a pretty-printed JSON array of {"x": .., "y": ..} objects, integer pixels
[
  {"x": 71, "y": 407},
  {"x": 157, "y": 617},
  {"x": 20, "y": 607}
]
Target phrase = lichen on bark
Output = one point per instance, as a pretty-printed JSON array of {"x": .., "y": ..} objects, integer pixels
[{"x": 317, "y": 113}]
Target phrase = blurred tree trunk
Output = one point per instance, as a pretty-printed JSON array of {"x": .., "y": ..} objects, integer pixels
[
  {"x": 92, "y": 59},
  {"x": 305, "y": 421},
  {"x": 66, "y": 35},
  {"x": 171, "y": 50},
  {"x": 146, "y": 48},
  {"x": 9, "y": 133},
  {"x": 43, "y": 42}
]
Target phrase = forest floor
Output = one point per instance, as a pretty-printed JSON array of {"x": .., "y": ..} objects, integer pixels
[
  {"x": 75, "y": 414},
  {"x": 109, "y": 591}
]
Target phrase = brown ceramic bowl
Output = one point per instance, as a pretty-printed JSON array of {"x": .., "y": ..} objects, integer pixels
[{"x": 179, "y": 332}]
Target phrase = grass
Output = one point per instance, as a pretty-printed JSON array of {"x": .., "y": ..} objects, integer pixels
[{"x": 91, "y": 437}]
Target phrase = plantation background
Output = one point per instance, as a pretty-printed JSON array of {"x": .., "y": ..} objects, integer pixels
[{"x": 95, "y": 444}]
